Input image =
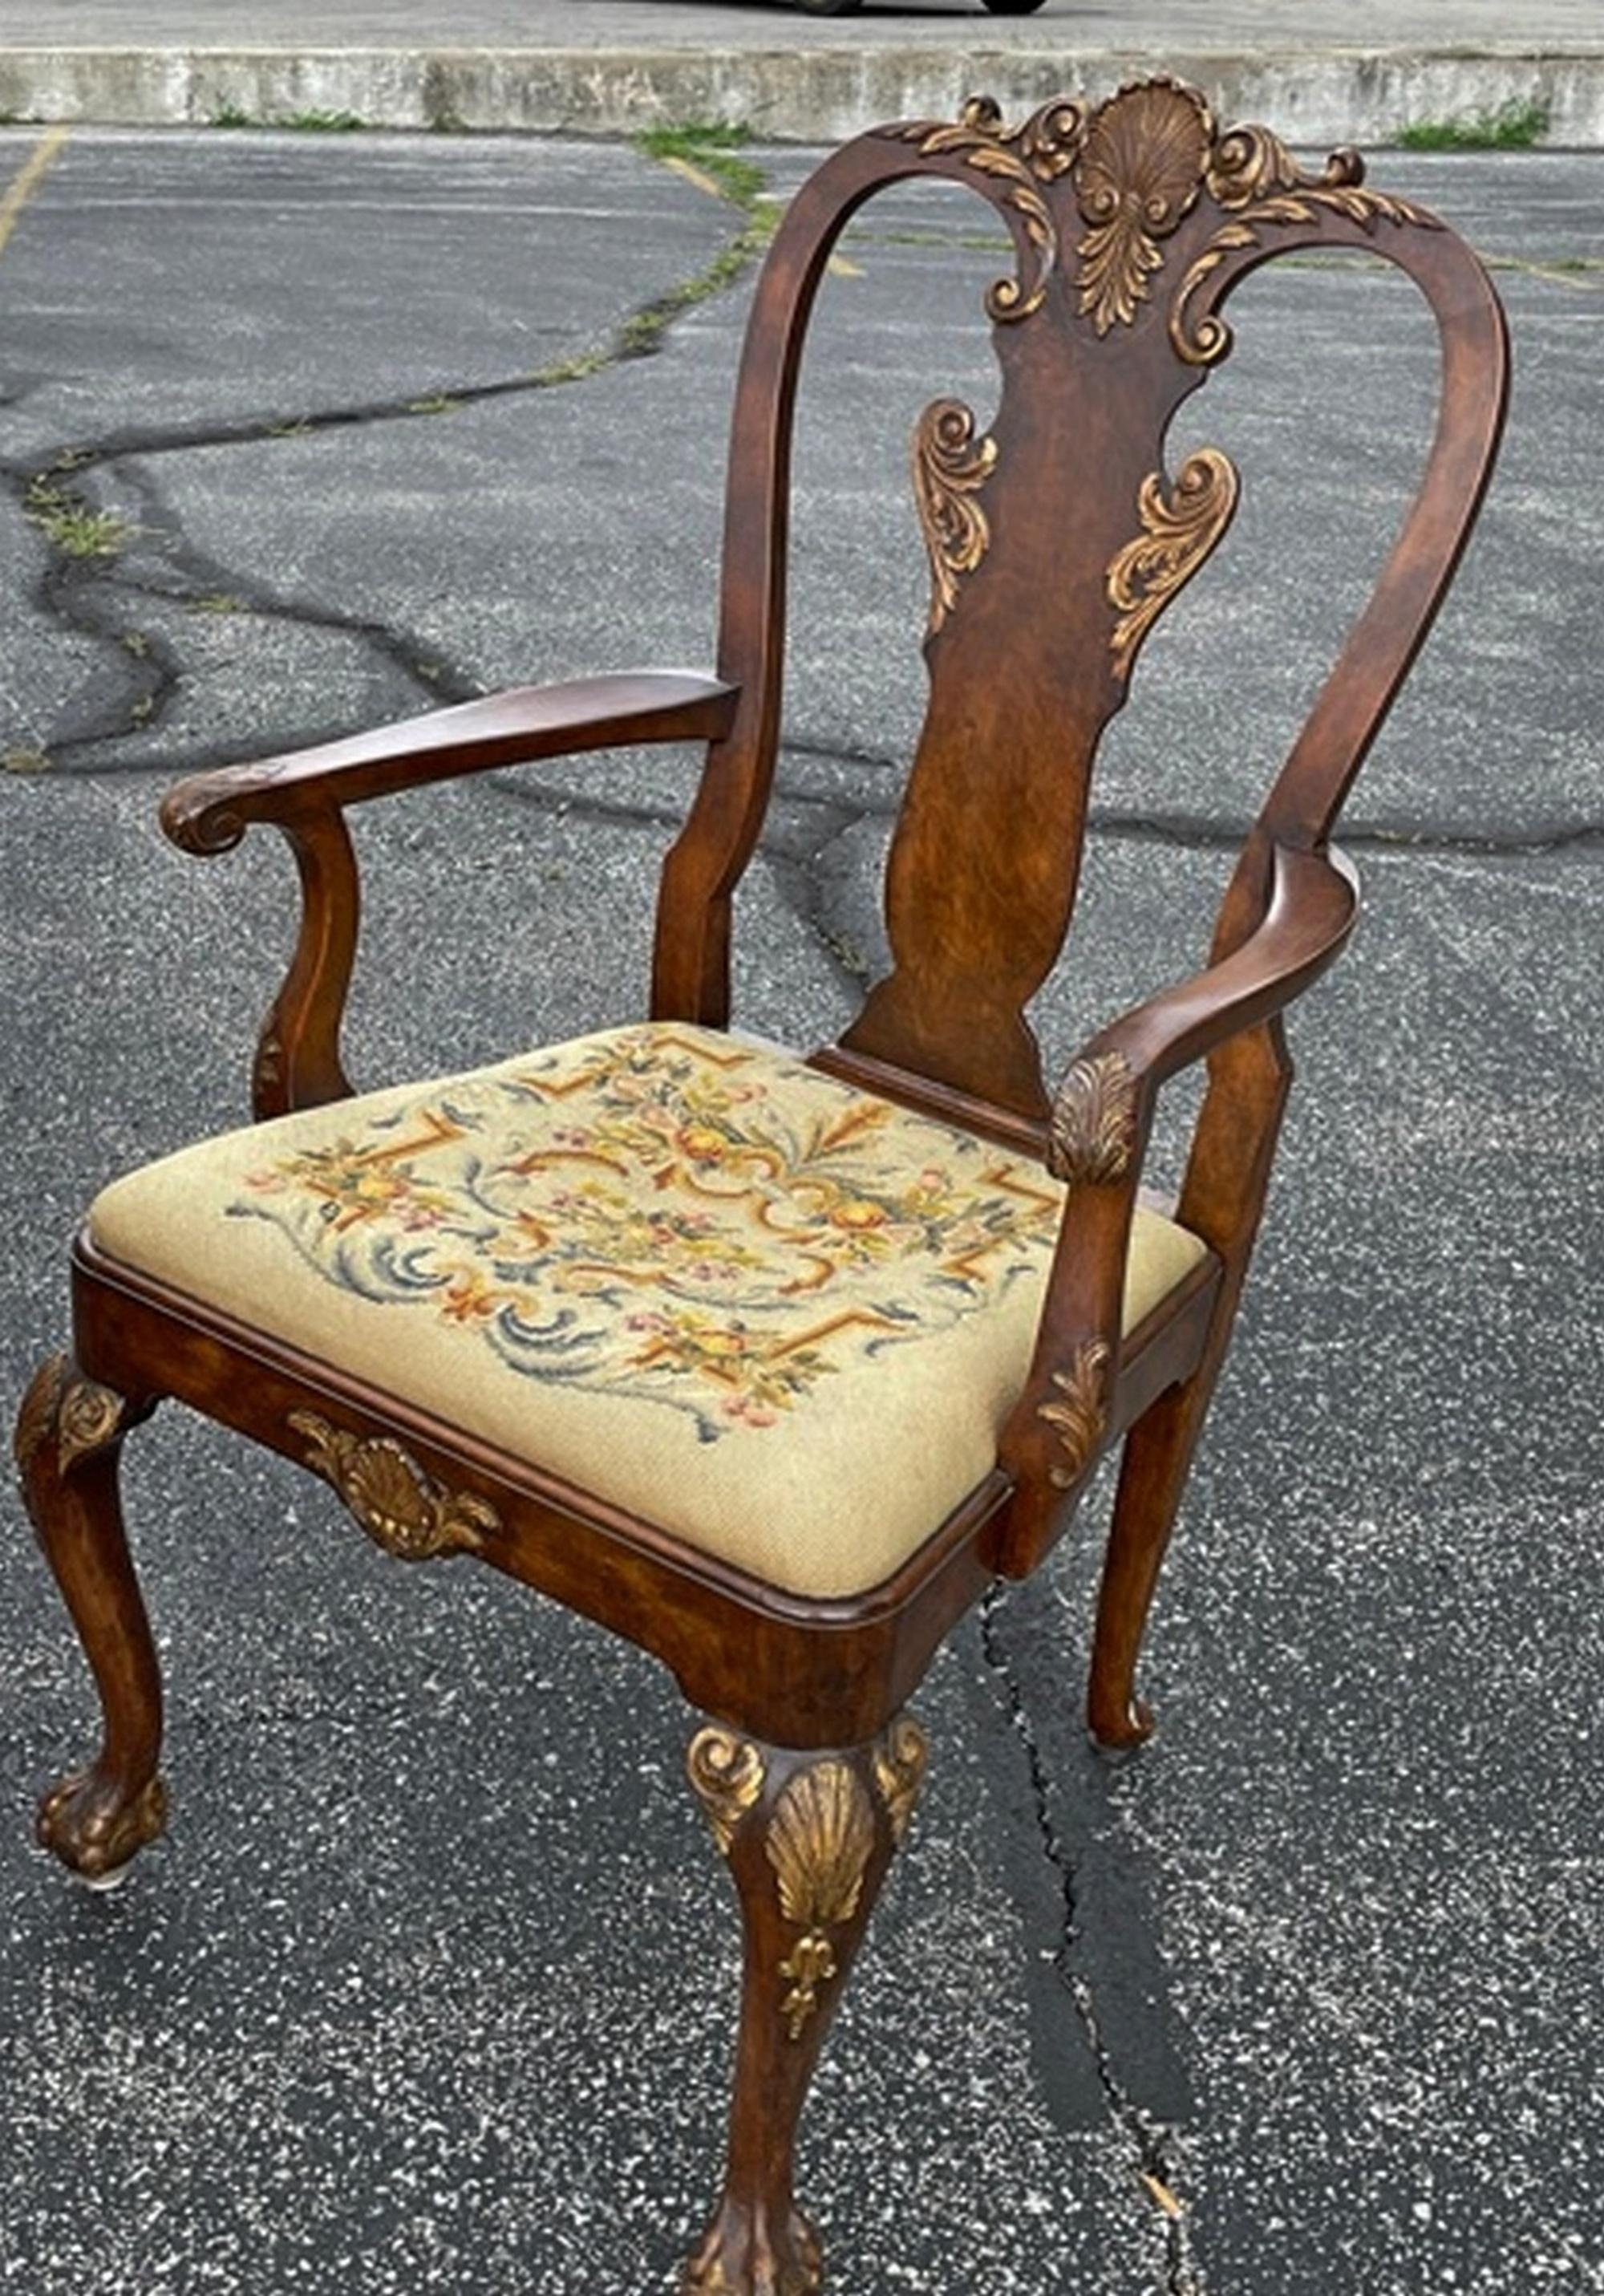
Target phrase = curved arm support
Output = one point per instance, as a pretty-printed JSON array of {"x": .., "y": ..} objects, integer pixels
[
  {"x": 298, "y": 1062},
  {"x": 1102, "y": 1117},
  {"x": 211, "y": 812}
]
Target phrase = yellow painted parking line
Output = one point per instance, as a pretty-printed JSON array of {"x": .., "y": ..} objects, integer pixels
[
  {"x": 837, "y": 264},
  {"x": 28, "y": 178},
  {"x": 694, "y": 175}
]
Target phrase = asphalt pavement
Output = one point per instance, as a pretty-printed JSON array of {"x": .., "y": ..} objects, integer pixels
[{"x": 431, "y": 1986}]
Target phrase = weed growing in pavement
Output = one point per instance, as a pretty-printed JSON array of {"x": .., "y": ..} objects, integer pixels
[
  {"x": 710, "y": 146},
  {"x": 1511, "y": 127},
  {"x": 69, "y": 526},
  {"x": 707, "y": 149},
  {"x": 437, "y": 403},
  {"x": 307, "y": 123},
  {"x": 323, "y": 123}
]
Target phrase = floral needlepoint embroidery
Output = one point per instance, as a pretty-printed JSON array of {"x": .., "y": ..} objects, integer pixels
[{"x": 663, "y": 1214}]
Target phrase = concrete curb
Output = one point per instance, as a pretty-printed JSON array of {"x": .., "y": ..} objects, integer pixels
[{"x": 814, "y": 95}]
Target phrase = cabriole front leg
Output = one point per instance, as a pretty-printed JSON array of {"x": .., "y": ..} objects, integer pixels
[
  {"x": 809, "y": 1838},
  {"x": 70, "y": 1433}
]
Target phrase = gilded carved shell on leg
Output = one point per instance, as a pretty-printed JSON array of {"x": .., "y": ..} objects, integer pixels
[{"x": 819, "y": 1843}]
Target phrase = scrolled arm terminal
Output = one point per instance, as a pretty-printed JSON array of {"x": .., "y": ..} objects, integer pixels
[{"x": 211, "y": 812}]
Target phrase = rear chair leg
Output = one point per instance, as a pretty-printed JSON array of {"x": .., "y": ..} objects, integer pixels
[
  {"x": 809, "y": 1838},
  {"x": 70, "y": 1433},
  {"x": 1152, "y": 1476}
]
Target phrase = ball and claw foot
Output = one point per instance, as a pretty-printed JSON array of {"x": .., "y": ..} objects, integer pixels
[
  {"x": 743, "y": 2256},
  {"x": 96, "y": 1831}
]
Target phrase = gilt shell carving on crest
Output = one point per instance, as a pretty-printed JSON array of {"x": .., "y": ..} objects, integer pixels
[
  {"x": 389, "y": 1495},
  {"x": 1141, "y": 171},
  {"x": 950, "y": 467},
  {"x": 1137, "y": 165}
]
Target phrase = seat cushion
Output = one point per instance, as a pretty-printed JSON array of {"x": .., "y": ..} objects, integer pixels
[{"x": 770, "y": 1314}]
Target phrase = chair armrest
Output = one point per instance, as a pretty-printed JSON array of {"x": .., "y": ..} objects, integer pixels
[
  {"x": 210, "y": 812},
  {"x": 305, "y": 794},
  {"x": 1103, "y": 1104}
]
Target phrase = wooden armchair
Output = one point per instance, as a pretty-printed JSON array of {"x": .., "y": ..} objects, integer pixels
[{"x": 771, "y": 1362}]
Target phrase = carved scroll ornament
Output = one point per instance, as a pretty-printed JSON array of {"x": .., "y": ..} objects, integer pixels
[
  {"x": 1020, "y": 160},
  {"x": 950, "y": 467},
  {"x": 1176, "y": 539},
  {"x": 1081, "y": 1414},
  {"x": 726, "y": 1773},
  {"x": 84, "y": 1416},
  {"x": 1138, "y": 165},
  {"x": 1254, "y": 177},
  {"x": 401, "y": 1509},
  {"x": 899, "y": 1769}
]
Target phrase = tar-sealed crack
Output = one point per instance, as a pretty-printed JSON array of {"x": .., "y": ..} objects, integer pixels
[
  {"x": 88, "y": 591},
  {"x": 1154, "y": 2143}
]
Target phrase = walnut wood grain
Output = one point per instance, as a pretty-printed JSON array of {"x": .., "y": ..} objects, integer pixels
[
  {"x": 211, "y": 812},
  {"x": 1055, "y": 543}
]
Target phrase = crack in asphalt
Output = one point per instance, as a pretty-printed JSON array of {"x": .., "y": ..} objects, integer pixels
[
  {"x": 1189, "y": 832},
  {"x": 1154, "y": 2143},
  {"x": 83, "y": 592}
]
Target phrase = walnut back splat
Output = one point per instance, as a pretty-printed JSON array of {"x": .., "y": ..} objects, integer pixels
[{"x": 1055, "y": 540}]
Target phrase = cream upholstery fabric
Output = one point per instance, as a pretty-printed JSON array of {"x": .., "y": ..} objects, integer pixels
[{"x": 776, "y": 1317}]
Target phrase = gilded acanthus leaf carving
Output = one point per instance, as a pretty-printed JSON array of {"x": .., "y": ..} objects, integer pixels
[
  {"x": 950, "y": 467},
  {"x": 1093, "y": 1136},
  {"x": 1255, "y": 179},
  {"x": 1141, "y": 171},
  {"x": 1020, "y": 160},
  {"x": 1175, "y": 537},
  {"x": 84, "y": 1416},
  {"x": 389, "y": 1495},
  {"x": 899, "y": 1769},
  {"x": 726, "y": 1773},
  {"x": 1080, "y": 1414}
]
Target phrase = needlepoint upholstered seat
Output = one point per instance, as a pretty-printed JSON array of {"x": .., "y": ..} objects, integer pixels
[{"x": 773, "y": 1359}]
